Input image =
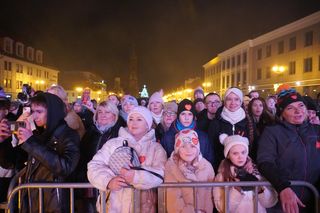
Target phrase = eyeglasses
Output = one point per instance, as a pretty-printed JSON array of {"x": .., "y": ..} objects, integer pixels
[
  {"x": 168, "y": 113},
  {"x": 214, "y": 103}
]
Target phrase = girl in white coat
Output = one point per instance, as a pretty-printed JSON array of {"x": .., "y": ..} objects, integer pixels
[
  {"x": 152, "y": 156},
  {"x": 239, "y": 167}
]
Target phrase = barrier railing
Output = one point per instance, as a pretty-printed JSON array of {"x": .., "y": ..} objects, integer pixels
[{"x": 161, "y": 193}]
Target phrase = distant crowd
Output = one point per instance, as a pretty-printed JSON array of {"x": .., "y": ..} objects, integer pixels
[{"x": 144, "y": 142}]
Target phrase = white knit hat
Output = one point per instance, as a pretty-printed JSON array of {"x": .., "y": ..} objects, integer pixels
[
  {"x": 156, "y": 97},
  {"x": 236, "y": 91},
  {"x": 186, "y": 136},
  {"x": 144, "y": 112},
  {"x": 230, "y": 141}
]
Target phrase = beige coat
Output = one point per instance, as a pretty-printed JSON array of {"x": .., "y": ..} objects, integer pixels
[
  {"x": 152, "y": 157},
  {"x": 182, "y": 199}
]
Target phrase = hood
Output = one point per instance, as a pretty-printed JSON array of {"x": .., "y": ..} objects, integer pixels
[{"x": 56, "y": 111}]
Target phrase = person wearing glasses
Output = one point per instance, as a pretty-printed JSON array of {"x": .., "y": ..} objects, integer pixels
[
  {"x": 212, "y": 103},
  {"x": 169, "y": 115}
]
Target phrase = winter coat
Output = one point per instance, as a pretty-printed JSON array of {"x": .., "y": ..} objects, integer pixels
[
  {"x": 203, "y": 122},
  {"x": 151, "y": 156},
  {"x": 242, "y": 201},
  {"x": 53, "y": 154},
  {"x": 182, "y": 199},
  {"x": 290, "y": 152},
  {"x": 219, "y": 126},
  {"x": 74, "y": 122},
  {"x": 92, "y": 141},
  {"x": 168, "y": 141}
]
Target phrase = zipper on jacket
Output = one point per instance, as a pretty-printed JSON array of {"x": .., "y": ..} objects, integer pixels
[
  {"x": 233, "y": 129},
  {"x": 305, "y": 160}
]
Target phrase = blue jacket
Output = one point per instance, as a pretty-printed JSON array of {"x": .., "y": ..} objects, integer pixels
[
  {"x": 168, "y": 140},
  {"x": 290, "y": 152}
]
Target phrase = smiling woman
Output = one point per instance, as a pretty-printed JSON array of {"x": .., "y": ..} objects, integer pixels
[{"x": 292, "y": 139}]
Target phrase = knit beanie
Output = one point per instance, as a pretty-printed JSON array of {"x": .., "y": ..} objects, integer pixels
[
  {"x": 198, "y": 90},
  {"x": 170, "y": 106},
  {"x": 186, "y": 136},
  {"x": 230, "y": 141},
  {"x": 311, "y": 105},
  {"x": 236, "y": 91},
  {"x": 144, "y": 112},
  {"x": 156, "y": 97},
  {"x": 186, "y": 105},
  {"x": 129, "y": 99},
  {"x": 286, "y": 96}
]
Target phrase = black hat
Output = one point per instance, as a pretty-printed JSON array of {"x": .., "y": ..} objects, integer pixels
[
  {"x": 186, "y": 105},
  {"x": 286, "y": 97}
]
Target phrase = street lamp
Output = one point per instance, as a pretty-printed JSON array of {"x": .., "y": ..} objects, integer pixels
[{"x": 278, "y": 69}]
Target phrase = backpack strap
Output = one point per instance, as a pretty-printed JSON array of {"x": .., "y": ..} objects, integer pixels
[{"x": 142, "y": 169}]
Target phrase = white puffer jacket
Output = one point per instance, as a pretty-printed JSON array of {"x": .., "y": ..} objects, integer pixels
[{"x": 152, "y": 157}]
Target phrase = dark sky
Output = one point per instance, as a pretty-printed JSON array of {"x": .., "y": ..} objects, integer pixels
[{"x": 173, "y": 38}]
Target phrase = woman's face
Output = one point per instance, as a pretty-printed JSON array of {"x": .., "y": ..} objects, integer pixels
[
  {"x": 137, "y": 125},
  {"x": 104, "y": 116},
  {"x": 127, "y": 107},
  {"x": 271, "y": 104},
  {"x": 186, "y": 118},
  {"x": 257, "y": 108},
  {"x": 113, "y": 99},
  {"x": 238, "y": 155},
  {"x": 295, "y": 113},
  {"x": 169, "y": 117},
  {"x": 156, "y": 107},
  {"x": 232, "y": 102},
  {"x": 188, "y": 152}
]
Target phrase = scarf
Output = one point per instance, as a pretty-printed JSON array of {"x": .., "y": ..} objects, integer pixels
[
  {"x": 103, "y": 128},
  {"x": 181, "y": 127},
  {"x": 157, "y": 118},
  {"x": 233, "y": 117}
]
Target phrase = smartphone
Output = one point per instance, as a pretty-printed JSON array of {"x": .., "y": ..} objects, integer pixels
[
  {"x": 14, "y": 125},
  {"x": 26, "y": 110}
]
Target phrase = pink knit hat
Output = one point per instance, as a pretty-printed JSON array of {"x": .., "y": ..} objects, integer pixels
[
  {"x": 186, "y": 136},
  {"x": 156, "y": 97}
]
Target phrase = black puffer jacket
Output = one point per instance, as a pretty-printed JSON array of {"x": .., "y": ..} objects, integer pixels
[
  {"x": 53, "y": 156},
  {"x": 290, "y": 152},
  {"x": 219, "y": 126}
]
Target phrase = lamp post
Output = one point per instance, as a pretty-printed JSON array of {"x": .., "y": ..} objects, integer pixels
[{"x": 279, "y": 70}]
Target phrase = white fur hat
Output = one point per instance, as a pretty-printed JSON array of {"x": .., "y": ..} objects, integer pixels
[
  {"x": 236, "y": 91},
  {"x": 156, "y": 97},
  {"x": 230, "y": 141},
  {"x": 144, "y": 112}
]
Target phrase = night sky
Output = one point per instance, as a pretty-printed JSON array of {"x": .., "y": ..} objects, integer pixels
[{"x": 173, "y": 39}]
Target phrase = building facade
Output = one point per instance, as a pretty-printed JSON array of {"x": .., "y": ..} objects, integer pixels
[
  {"x": 289, "y": 54},
  {"x": 22, "y": 64},
  {"x": 74, "y": 82}
]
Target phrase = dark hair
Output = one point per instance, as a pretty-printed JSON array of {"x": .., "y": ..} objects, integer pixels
[
  {"x": 39, "y": 100},
  {"x": 252, "y": 91},
  {"x": 211, "y": 93},
  {"x": 4, "y": 104}
]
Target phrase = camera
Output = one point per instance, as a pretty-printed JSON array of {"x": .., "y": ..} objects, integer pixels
[{"x": 14, "y": 125}]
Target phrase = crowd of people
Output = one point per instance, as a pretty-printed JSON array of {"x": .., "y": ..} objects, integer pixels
[{"x": 122, "y": 143}]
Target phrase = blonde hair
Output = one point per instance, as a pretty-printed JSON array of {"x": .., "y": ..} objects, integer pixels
[
  {"x": 59, "y": 91},
  {"x": 111, "y": 107}
]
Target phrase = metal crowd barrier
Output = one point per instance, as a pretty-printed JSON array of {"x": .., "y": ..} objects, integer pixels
[{"x": 136, "y": 198}]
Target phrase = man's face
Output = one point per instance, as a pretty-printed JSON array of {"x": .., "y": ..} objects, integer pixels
[
  {"x": 213, "y": 102},
  {"x": 39, "y": 114}
]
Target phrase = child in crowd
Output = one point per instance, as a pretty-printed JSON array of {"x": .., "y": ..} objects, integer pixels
[
  {"x": 186, "y": 164},
  {"x": 238, "y": 167}
]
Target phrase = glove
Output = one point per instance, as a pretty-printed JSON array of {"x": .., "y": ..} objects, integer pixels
[{"x": 243, "y": 175}]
